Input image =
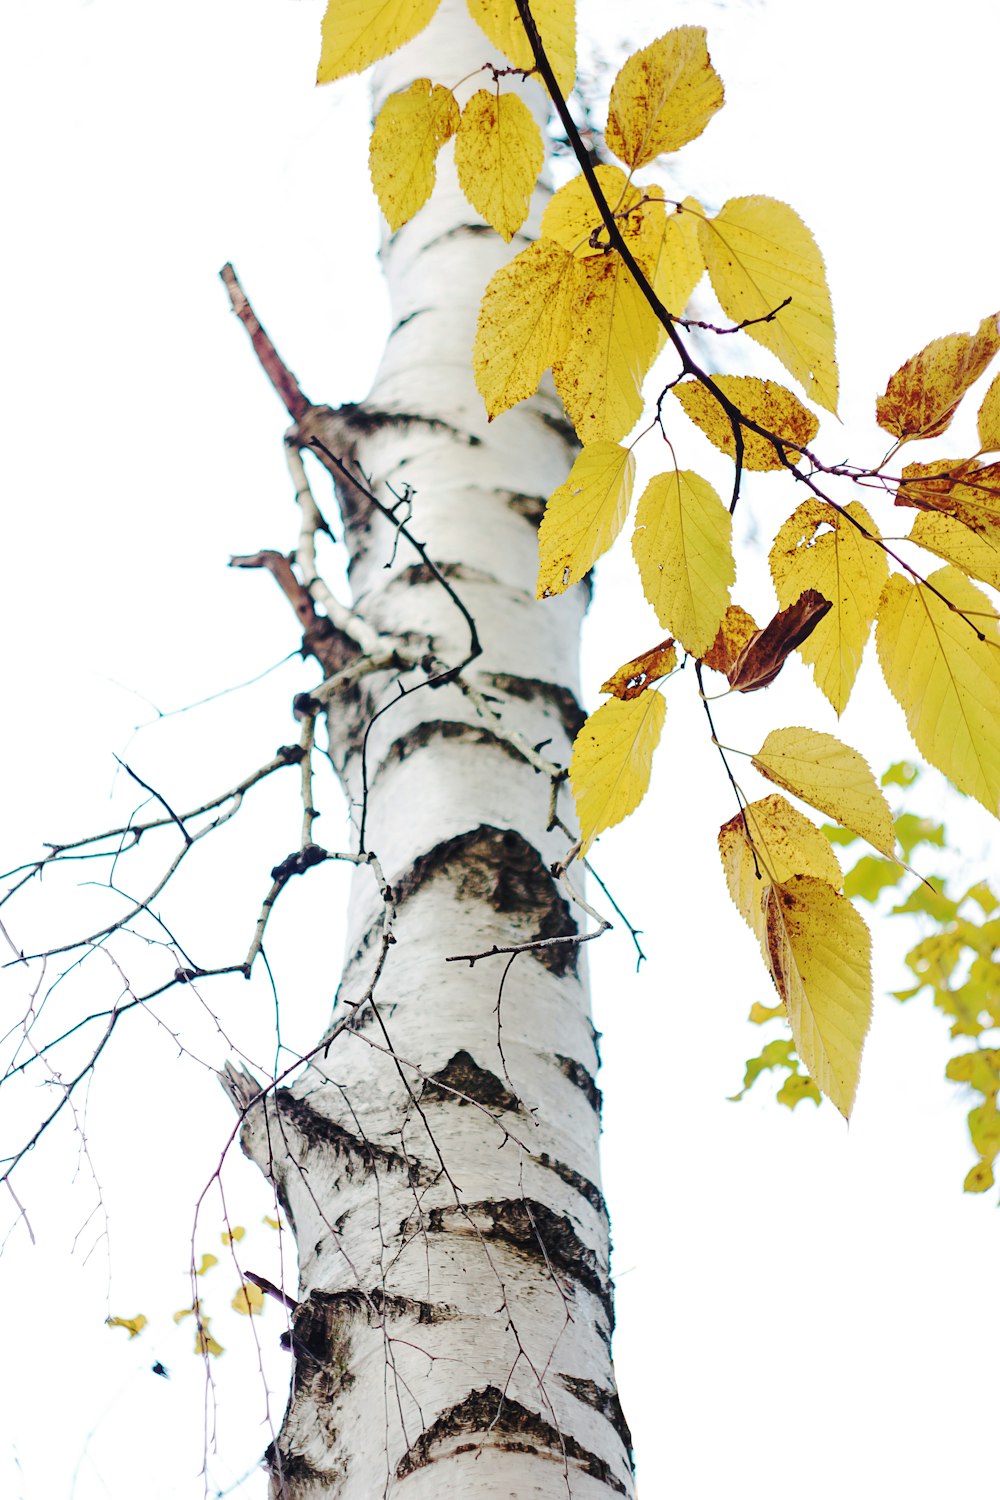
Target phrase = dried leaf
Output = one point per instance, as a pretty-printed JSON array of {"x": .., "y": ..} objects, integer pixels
[
  {"x": 923, "y": 395},
  {"x": 737, "y": 629},
  {"x": 763, "y": 657},
  {"x": 636, "y": 675}
]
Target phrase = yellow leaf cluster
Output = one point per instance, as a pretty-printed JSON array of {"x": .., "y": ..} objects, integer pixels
[
  {"x": 820, "y": 548},
  {"x": 411, "y": 128},
  {"x": 683, "y": 548},
  {"x": 612, "y": 759},
  {"x": 759, "y": 253},
  {"x": 663, "y": 97},
  {"x": 498, "y": 156},
  {"x": 356, "y": 33},
  {"x": 831, "y": 777},
  {"x": 770, "y": 405},
  {"x": 923, "y": 395},
  {"x": 944, "y": 671},
  {"x": 584, "y": 515},
  {"x": 556, "y": 22},
  {"x": 785, "y": 882}
]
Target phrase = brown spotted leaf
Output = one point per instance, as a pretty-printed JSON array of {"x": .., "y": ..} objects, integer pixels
[
  {"x": 962, "y": 488},
  {"x": 736, "y": 631},
  {"x": 636, "y": 675},
  {"x": 765, "y": 654},
  {"x": 923, "y": 395}
]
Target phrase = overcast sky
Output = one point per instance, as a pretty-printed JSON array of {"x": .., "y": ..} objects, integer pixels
[{"x": 798, "y": 1302}]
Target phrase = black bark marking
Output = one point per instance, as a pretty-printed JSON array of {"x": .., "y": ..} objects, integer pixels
[
  {"x": 463, "y": 1074},
  {"x": 531, "y": 507},
  {"x": 500, "y": 868},
  {"x": 573, "y": 1179},
  {"x": 489, "y": 1419},
  {"x": 358, "y": 1154},
  {"x": 604, "y": 1401},
  {"x": 534, "y": 1231},
  {"x": 422, "y": 735},
  {"x": 534, "y": 689},
  {"x": 578, "y": 1075}
]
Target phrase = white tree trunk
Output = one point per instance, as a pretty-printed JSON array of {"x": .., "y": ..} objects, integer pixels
[{"x": 454, "y": 1327}]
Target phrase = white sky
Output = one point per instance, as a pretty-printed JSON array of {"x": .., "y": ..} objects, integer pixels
[{"x": 798, "y": 1303}]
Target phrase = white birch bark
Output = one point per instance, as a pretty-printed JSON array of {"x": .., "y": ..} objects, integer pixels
[{"x": 454, "y": 1327}]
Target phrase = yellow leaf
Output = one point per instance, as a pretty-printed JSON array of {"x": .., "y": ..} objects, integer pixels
[
  {"x": 818, "y": 548},
  {"x": 768, "y": 404},
  {"x": 946, "y": 680},
  {"x": 679, "y": 262},
  {"x": 819, "y": 952},
  {"x": 573, "y": 220},
  {"x": 758, "y": 253},
  {"x": 204, "y": 1343},
  {"x": 766, "y": 845},
  {"x": 761, "y": 1013},
  {"x": 959, "y": 487},
  {"x": 612, "y": 759},
  {"x": 663, "y": 97},
  {"x": 134, "y": 1325},
  {"x": 207, "y": 1262},
  {"x": 832, "y": 777},
  {"x": 249, "y": 1300},
  {"x": 988, "y": 421},
  {"x": 613, "y": 341},
  {"x": 683, "y": 548},
  {"x": 737, "y": 630},
  {"x": 185, "y": 1312},
  {"x": 556, "y": 22},
  {"x": 356, "y": 33},
  {"x": 637, "y": 675},
  {"x": 411, "y": 128},
  {"x": 584, "y": 515},
  {"x": 795, "y": 1088},
  {"x": 233, "y": 1236},
  {"x": 524, "y": 324},
  {"x": 923, "y": 395},
  {"x": 273, "y": 1223},
  {"x": 498, "y": 156},
  {"x": 976, "y": 554}
]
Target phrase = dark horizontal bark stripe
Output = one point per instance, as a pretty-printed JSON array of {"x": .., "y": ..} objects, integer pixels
[
  {"x": 536, "y": 689},
  {"x": 489, "y": 1419},
  {"x": 604, "y": 1401},
  {"x": 359, "y": 1155},
  {"x": 501, "y": 868},
  {"x": 577, "y": 1074},
  {"x": 573, "y": 1179},
  {"x": 462, "y": 1076}
]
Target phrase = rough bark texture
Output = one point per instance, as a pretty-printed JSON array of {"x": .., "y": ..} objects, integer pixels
[{"x": 455, "y": 1309}]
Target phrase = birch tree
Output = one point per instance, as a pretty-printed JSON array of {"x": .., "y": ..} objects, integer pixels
[{"x": 435, "y": 1156}]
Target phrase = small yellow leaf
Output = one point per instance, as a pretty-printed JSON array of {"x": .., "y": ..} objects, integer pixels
[
  {"x": 946, "y": 680},
  {"x": 683, "y": 548},
  {"x": 613, "y": 340},
  {"x": 795, "y": 1088},
  {"x": 761, "y": 1013},
  {"x": 832, "y": 777},
  {"x": 612, "y": 760},
  {"x": 185, "y": 1312},
  {"x": 204, "y": 1343},
  {"x": 819, "y": 952},
  {"x": 765, "y": 402},
  {"x": 411, "y": 128},
  {"x": 584, "y": 515},
  {"x": 923, "y": 395},
  {"x": 976, "y": 554},
  {"x": 207, "y": 1262},
  {"x": 556, "y": 22},
  {"x": 988, "y": 421},
  {"x": 639, "y": 673},
  {"x": 498, "y": 156},
  {"x": 249, "y": 1300},
  {"x": 356, "y": 33},
  {"x": 234, "y": 1235},
  {"x": 818, "y": 548},
  {"x": 524, "y": 324},
  {"x": 734, "y": 634},
  {"x": 274, "y": 1223},
  {"x": 663, "y": 97},
  {"x": 758, "y": 253},
  {"x": 134, "y": 1325}
]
